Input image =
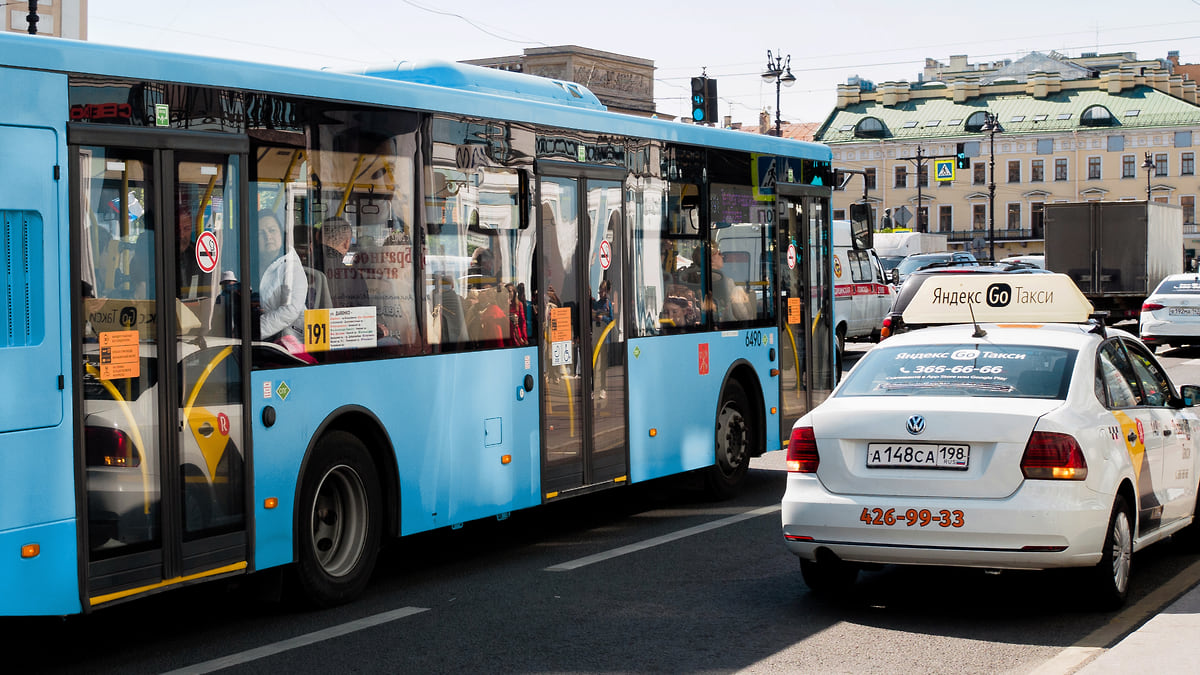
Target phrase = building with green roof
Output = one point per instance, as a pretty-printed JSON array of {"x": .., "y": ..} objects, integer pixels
[{"x": 1071, "y": 130}]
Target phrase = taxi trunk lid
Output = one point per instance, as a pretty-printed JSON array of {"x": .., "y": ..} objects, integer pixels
[{"x": 994, "y": 432}]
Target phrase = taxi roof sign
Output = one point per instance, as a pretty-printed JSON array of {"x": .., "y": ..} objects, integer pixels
[{"x": 991, "y": 298}]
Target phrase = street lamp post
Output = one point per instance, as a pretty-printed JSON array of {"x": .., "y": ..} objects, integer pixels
[
  {"x": 991, "y": 126},
  {"x": 1148, "y": 165},
  {"x": 779, "y": 70}
]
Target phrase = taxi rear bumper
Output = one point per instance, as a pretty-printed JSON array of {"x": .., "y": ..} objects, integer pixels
[{"x": 1044, "y": 524}]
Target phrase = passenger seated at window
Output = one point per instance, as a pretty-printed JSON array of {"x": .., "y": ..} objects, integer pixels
[
  {"x": 347, "y": 287},
  {"x": 283, "y": 290}
]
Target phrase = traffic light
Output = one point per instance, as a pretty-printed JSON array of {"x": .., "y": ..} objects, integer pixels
[
  {"x": 704, "y": 99},
  {"x": 960, "y": 157}
]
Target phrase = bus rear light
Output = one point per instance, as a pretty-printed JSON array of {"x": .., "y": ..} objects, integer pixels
[
  {"x": 1053, "y": 456},
  {"x": 802, "y": 456},
  {"x": 110, "y": 447}
]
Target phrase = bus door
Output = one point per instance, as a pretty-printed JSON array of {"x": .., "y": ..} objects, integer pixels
[
  {"x": 581, "y": 295},
  {"x": 162, "y": 343},
  {"x": 806, "y": 355}
]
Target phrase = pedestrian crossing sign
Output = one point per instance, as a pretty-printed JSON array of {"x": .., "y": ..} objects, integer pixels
[{"x": 943, "y": 169}]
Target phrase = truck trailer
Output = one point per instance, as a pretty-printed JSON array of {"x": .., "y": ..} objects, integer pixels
[{"x": 1116, "y": 252}]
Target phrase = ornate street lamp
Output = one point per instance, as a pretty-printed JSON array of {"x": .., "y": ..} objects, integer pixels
[
  {"x": 779, "y": 70},
  {"x": 1148, "y": 165},
  {"x": 991, "y": 126}
]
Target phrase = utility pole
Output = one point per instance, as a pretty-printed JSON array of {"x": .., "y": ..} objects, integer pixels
[
  {"x": 32, "y": 17},
  {"x": 921, "y": 161}
]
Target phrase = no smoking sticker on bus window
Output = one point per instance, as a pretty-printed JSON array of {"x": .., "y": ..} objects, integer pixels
[{"x": 207, "y": 252}]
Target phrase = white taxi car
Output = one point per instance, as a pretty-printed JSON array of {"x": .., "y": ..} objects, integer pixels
[
  {"x": 1171, "y": 315},
  {"x": 1008, "y": 445}
]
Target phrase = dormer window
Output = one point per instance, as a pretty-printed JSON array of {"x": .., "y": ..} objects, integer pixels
[
  {"x": 870, "y": 127},
  {"x": 975, "y": 121},
  {"x": 1096, "y": 116}
]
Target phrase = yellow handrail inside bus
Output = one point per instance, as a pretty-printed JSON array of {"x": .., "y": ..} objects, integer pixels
[
  {"x": 212, "y": 364},
  {"x": 349, "y": 186},
  {"x": 123, "y": 405},
  {"x": 600, "y": 342},
  {"x": 795, "y": 354}
]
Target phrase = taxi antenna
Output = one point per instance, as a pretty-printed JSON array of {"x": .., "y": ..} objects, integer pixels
[{"x": 979, "y": 332}]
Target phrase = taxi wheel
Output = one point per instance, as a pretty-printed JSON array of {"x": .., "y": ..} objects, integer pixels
[
  {"x": 1188, "y": 539},
  {"x": 338, "y": 521},
  {"x": 828, "y": 578},
  {"x": 1111, "y": 575},
  {"x": 736, "y": 440}
]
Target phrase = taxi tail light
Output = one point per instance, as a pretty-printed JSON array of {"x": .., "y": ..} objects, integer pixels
[
  {"x": 886, "y": 329},
  {"x": 110, "y": 447},
  {"x": 1054, "y": 456},
  {"x": 802, "y": 454},
  {"x": 1151, "y": 306}
]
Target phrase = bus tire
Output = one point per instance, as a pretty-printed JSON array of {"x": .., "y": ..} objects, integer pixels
[
  {"x": 737, "y": 437},
  {"x": 1110, "y": 577},
  {"x": 338, "y": 521}
]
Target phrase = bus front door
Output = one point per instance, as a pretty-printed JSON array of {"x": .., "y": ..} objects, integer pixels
[
  {"x": 162, "y": 344},
  {"x": 806, "y": 352},
  {"x": 581, "y": 297}
]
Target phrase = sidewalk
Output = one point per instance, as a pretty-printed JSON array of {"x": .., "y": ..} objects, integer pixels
[{"x": 1168, "y": 643}]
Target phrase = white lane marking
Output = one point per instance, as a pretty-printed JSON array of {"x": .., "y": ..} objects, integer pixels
[
  {"x": 657, "y": 541},
  {"x": 296, "y": 642},
  {"x": 1070, "y": 659}
]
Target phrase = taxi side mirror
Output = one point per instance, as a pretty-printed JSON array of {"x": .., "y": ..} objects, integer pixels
[{"x": 1190, "y": 394}]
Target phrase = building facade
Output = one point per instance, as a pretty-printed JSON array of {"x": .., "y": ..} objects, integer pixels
[
  {"x": 1101, "y": 127},
  {"x": 622, "y": 83},
  {"x": 56, "y": 18}
]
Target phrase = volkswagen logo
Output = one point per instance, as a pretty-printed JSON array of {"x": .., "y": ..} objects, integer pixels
[{"x": 916, "y": 424}]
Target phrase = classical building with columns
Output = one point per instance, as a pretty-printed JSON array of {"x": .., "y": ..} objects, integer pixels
[{"x": 1098, "y": 127}]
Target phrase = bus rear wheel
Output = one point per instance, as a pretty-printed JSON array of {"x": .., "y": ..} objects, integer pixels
[
  {"x": 338, "y": 521},
  {"x": 737, "y": 437}
]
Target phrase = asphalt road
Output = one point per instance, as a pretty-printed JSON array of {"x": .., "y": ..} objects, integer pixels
[{"x": 651, "y": 577}]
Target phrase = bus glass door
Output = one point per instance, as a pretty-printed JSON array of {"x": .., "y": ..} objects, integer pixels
[
  {"x": 161, "y": 377},
  {"x": 581, "y": 299},
  {"x": 807, "y": 366}
]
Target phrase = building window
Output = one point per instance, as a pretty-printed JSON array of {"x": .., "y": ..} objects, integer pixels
[
  {"x": 1188, "y": 205},
  {"x": 1037, "y": 170},
  {"x": 869, "y": 177},
  {"x": 1093, "y": 168},
  {"x": 1036, "y": 214},
  {"x": 945, "y": 218},
  {"x": 923, "y": 219},
  {"x": 1187, "y": 164},
  {"x": 1014, "y": 216},
  {"x": 980, "y": 175},
  {"x": 1060, "y": 168},
  {"x": 923, "y": 176},
  {"x": 1014, "y": 171},
  {"x": 901, "y": 177},
  {"x": 1128, "y": 166},
  {"x": 978, "y": 216},
  {"x": 1160, "y": 164}
]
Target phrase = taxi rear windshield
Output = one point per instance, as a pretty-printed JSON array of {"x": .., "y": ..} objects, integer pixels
[
  {"x": 967, "y": 369},
  {"x": 1179, "y": 286}
]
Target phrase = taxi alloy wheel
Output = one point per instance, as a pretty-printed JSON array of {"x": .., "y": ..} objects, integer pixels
[{"x": 1111, "y": 574}]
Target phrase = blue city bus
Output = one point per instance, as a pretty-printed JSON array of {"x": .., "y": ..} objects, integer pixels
[{"x": 254, "y": 317}]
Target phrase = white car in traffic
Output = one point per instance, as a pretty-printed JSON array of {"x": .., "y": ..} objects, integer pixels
[
  {"x": 1008, "y": 445},
  {"x": 1171, "y": 315}
]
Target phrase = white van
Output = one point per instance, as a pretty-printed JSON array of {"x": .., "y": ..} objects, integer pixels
[{"x": 861, "y": 292}]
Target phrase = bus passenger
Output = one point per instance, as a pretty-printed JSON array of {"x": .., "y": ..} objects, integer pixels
[
  {"x": 347, "y": 287},
  {"x": 284, "y": 287}
]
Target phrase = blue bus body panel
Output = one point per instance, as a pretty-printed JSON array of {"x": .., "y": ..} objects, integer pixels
[
  {"x": 37, "y": 484},
  {"x": 32, "y": 258},
  {"x": 669, "y": 394},
  {"x": 453, "y": 419},
  {"x": 66, "y": 55}
]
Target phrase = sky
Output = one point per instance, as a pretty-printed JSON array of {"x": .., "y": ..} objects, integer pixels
[{"x": 827, "y": 42}]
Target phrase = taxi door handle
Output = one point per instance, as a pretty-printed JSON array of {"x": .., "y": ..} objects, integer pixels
[
  {"x": 1166, "y": 432},
  {"x": 1132, "y": 437}
]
